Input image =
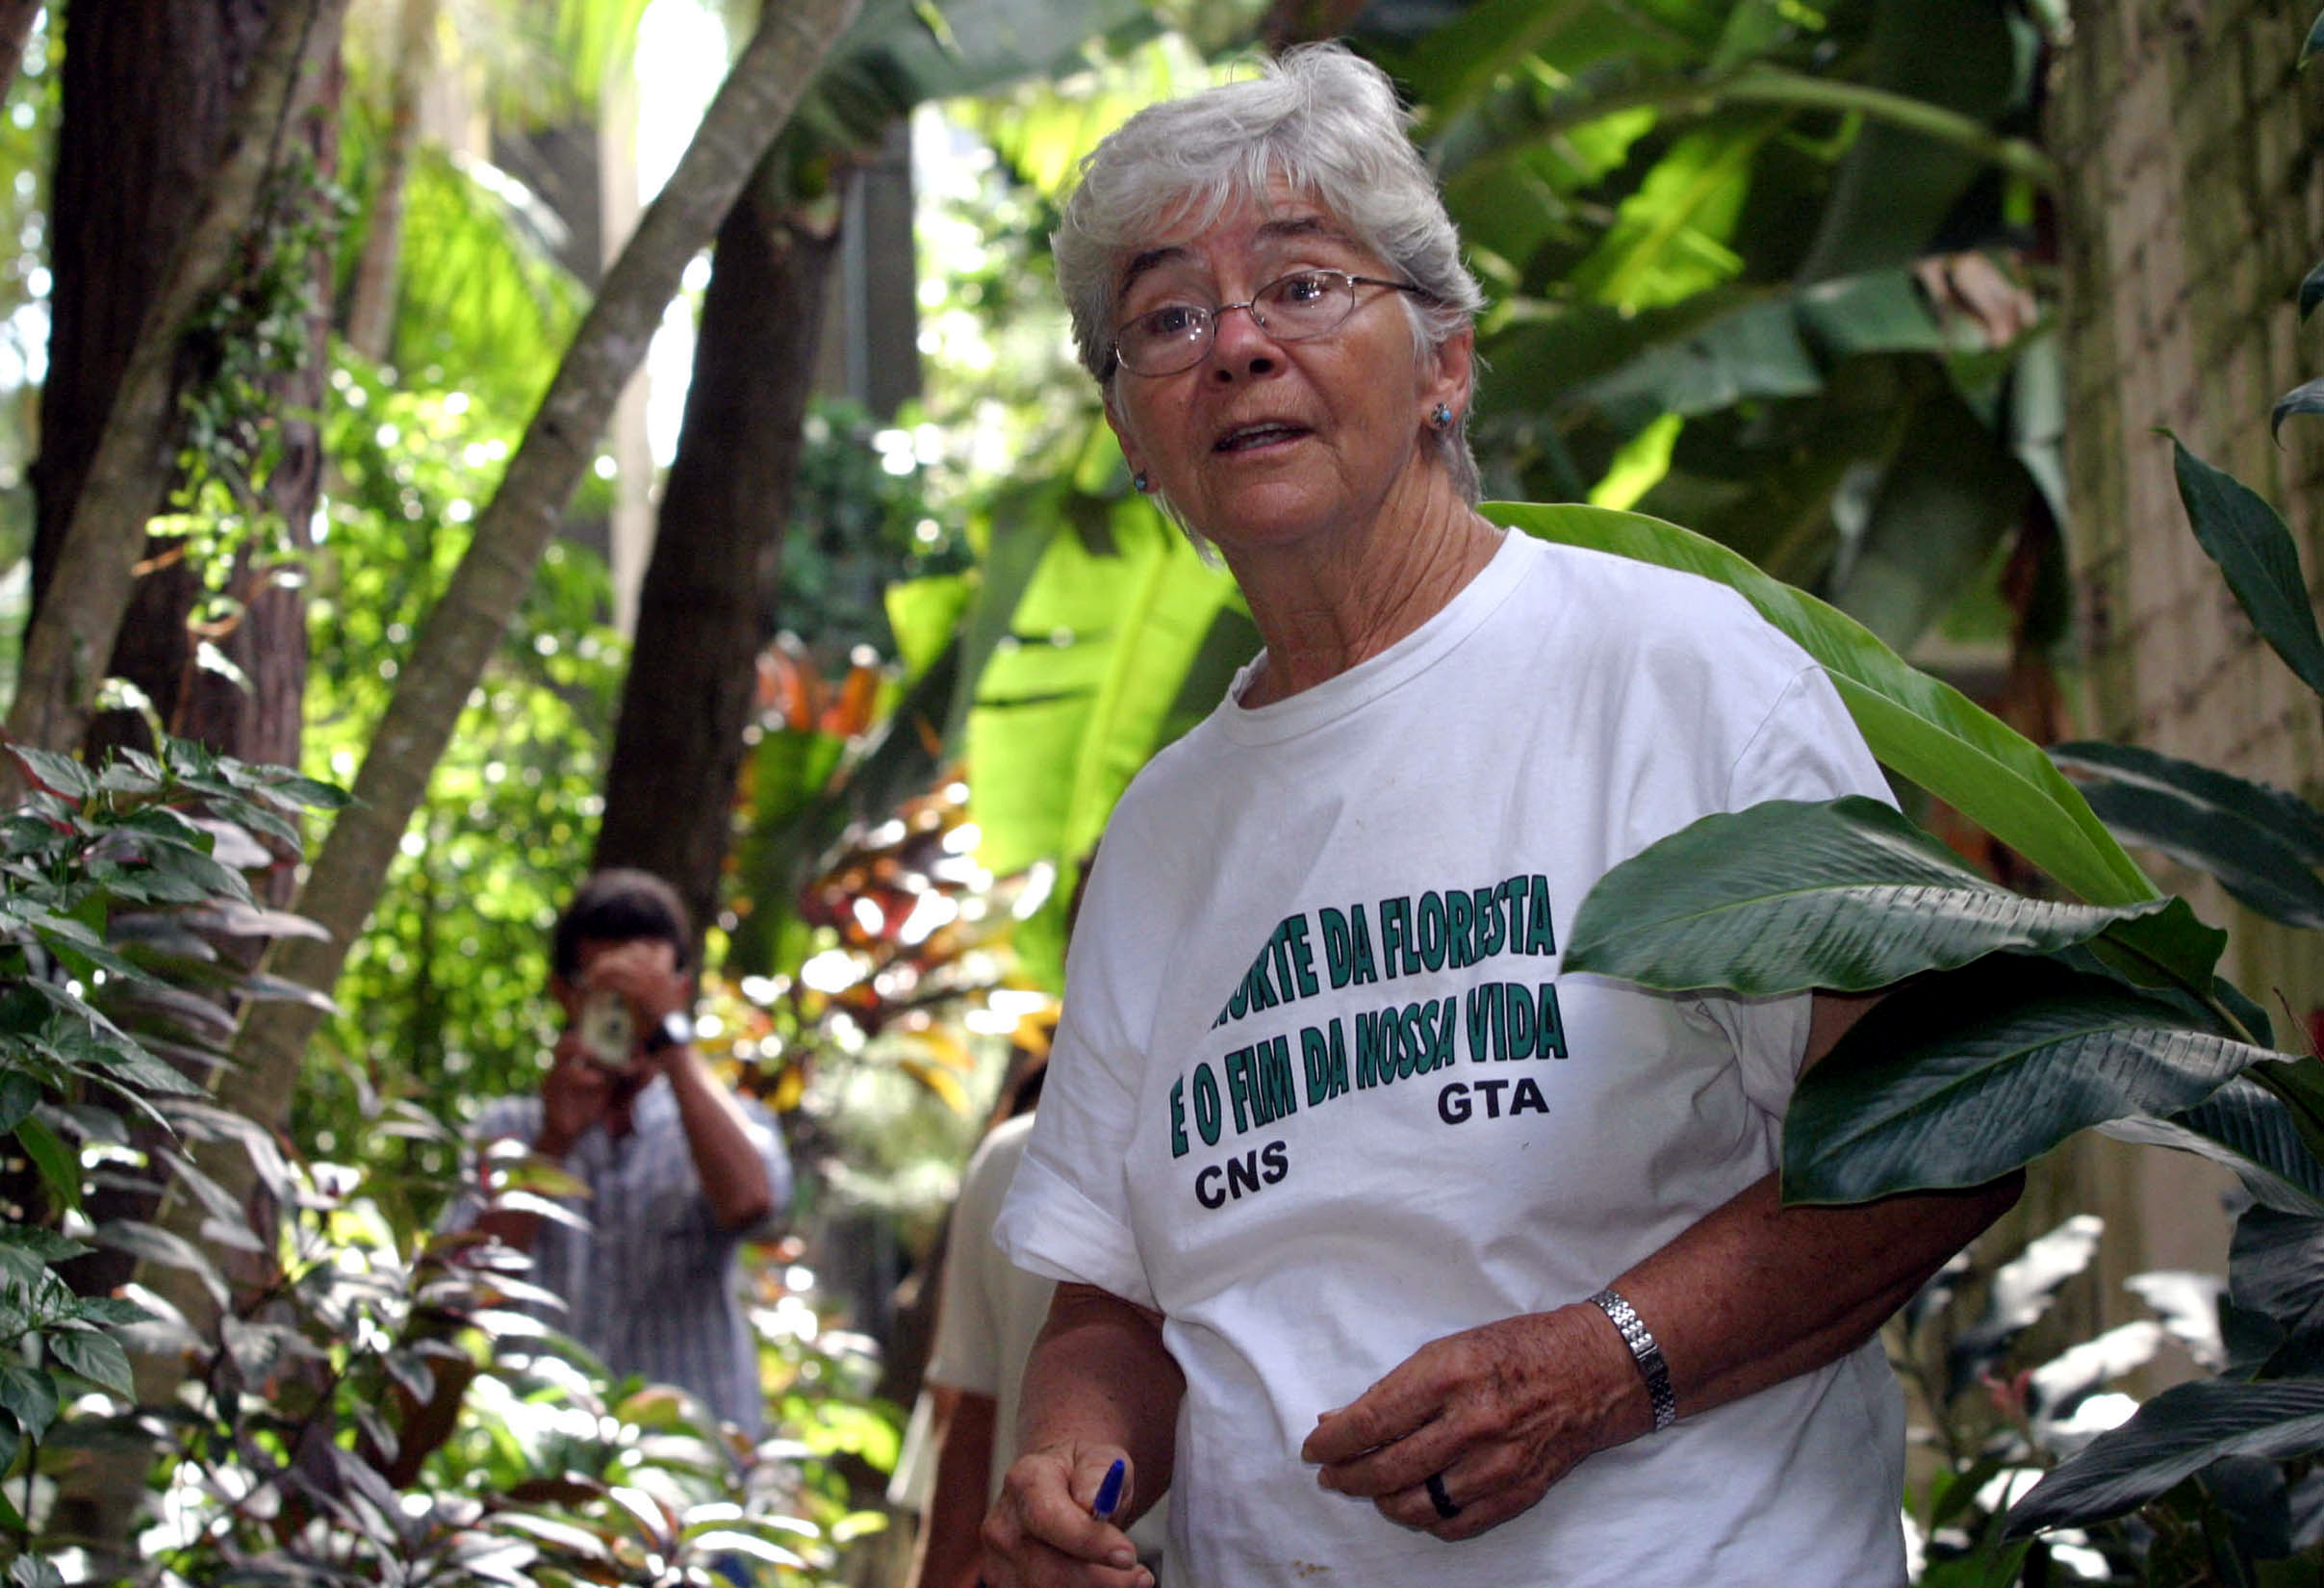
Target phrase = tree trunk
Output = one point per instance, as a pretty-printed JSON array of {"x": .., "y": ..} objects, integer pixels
[
  {"x": 87, "y": 573},
  {"x": 372, "y": 295},
  {"x": 124, "y": 191},
  {"x": 460, "y": 633},
  {"x": 706, "y": 607},
  {"x": 16, "y": 27}
]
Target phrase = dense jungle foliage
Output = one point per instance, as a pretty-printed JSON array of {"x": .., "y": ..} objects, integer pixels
[{"x": 1778, "y": 271}]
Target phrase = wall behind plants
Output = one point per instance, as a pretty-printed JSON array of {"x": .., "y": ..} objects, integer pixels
[{"x": 2194, "y": 205}]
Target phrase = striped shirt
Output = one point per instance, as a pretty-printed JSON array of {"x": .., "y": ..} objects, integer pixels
[{"x": 651, "y": 1285}]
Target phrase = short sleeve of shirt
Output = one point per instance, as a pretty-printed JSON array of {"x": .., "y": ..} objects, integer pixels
[
  {"x": 1067, "y": 1216},
  {"x": 1807, "y": 747}
]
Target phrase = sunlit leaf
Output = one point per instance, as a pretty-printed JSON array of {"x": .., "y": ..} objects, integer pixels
[{"x": 155, "y": 1244}]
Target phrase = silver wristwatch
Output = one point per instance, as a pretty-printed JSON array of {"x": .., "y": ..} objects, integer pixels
[{"x": 1646, "y": 1351}]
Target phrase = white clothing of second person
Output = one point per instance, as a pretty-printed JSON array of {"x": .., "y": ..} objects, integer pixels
[
  {"x": 1321, "y": 1094},
  {"x": 988, "y": 1317}
]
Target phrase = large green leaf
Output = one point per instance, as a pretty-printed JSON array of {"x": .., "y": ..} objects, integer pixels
[
  {"x": 2247, "y": 1128},
  {"x": 2249, "y": 540},
  {"x": 1789, "y": 895},
  {"x": 2172, "y": 1437},
  {"x": 1922, "y": 729},
  {"x": 1897, "y": 183},
  {"x": 1951, "y": 491},
  {"x": 1079, "y": 693},
  {"x": 1960, "y": 1077},
  {"x": 2276, "y": 1264},
  {"x": 1669, "y": 236},
  {"x": 1756, "y": 352},
  {"x": 2260, "y": 842},
  {"x": 2287, "y": 819},
  {"x": 1456, "y": 63}
]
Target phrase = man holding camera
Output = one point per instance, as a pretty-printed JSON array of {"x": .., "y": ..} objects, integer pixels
[{"x": 679, "y": 1170}]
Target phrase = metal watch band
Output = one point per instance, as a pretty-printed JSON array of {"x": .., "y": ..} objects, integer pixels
[{"x": 1645, "y": 1351}]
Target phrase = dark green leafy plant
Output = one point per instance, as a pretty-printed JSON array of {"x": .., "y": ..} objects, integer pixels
[
  {"x": 2016, "y": 1022},
  {"x": 113, "y": 902}
]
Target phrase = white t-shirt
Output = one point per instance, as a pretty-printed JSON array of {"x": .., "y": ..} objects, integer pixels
[{"x": 1319, "y": 1094}]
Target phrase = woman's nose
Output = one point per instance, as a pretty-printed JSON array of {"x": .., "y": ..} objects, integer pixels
[{"x": 1240, "y": 343}]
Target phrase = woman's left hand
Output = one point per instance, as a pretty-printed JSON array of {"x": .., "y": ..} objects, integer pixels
[{"x": 1495, "y": 1415}]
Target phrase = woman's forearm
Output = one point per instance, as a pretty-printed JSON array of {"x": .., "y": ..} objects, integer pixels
[
  {"x": 1099, "y": 1375},
  {"x": 1757, "y": 1292}
]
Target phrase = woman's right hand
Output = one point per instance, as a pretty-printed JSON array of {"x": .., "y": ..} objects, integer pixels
[{"x": 1040, "y": 1534}]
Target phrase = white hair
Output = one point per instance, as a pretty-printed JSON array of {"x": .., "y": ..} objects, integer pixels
[{"x": 1320, "y": 122}]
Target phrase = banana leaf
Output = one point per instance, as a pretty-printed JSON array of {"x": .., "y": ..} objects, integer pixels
[
  {"x": 1918, "y": 727},
  {"x": 1790, "y": 895}
]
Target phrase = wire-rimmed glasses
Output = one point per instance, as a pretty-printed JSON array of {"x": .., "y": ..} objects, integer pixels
[{"x": 1162, "y": 341}]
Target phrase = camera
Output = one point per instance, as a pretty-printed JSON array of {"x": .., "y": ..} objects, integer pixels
[{"x": 607, "y": 1035}]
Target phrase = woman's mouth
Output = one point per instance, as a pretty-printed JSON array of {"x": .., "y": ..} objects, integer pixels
[{"x": 1244, "y": 438}]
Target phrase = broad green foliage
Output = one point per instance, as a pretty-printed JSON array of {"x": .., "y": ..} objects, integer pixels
[
  {"x": 1114, "y": 642},
  {"x": 1991, "y": 1055},
  {"x": 1918, "y": 726},
  {"x": 1955, "y": 1080},
  {"x": 2179, "y": 1433},
  {"x": 1713, "y": 209},
  {"x": 124, "y": 914},
  {"x": 1849, "y": 896}
]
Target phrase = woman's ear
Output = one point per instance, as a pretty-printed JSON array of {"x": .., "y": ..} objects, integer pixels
[{"x": 1454, "y": 378}]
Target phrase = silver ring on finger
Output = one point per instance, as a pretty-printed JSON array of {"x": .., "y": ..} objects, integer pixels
[{"x": 1437, "y": 1497}]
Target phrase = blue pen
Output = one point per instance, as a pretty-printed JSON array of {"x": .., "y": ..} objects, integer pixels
[{"x": 1110, "y": 1492}]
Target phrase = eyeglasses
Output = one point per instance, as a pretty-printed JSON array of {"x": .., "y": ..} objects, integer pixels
[{"x": 1290, "y": 308}]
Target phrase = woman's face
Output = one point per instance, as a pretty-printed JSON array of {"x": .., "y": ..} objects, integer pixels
[{"x": 1265, "y": 443}]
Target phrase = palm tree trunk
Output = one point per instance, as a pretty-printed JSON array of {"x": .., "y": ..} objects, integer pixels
[
  {"x": 88, "y": 590},
  {"x": 707, "y": 605},
  {"x": 372, "y": 295}
]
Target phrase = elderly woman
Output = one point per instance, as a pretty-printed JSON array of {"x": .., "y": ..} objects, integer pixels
[{"x": 1396, "y": 1257}]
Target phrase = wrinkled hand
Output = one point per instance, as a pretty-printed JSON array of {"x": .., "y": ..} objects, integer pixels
[
  {"x": 1499, "y": 1413},
  {"x": 1040, "y": 1534}
]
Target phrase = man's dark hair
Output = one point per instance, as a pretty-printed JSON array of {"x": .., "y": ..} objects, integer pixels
[{"x": 618, "y": 905}]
